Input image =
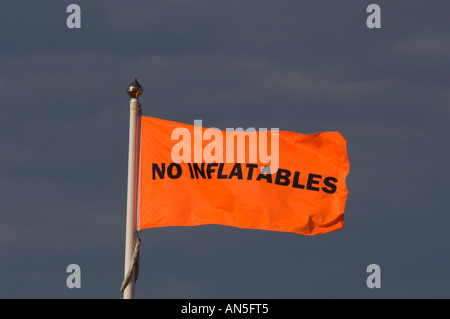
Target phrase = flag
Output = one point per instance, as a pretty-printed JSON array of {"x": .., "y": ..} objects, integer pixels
[{"x": 188, "y": 176}]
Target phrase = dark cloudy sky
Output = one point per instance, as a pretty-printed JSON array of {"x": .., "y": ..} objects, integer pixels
[{"x": 303, "y": 66}]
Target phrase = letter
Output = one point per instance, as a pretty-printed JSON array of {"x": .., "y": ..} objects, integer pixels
[
  {"x": 237, "y": 308},
  {"x": 257, "y": 307},
  {"x": 240, "y": 146},
  {"x": 211, "y": 310},
  {"x": 216, "y": 145},
  {"x": 190, "y": 170},
  {"x": 74, "y": 19},
  {"x": 198, "y": 141},
  {"x": 228, "y": 308},
  {"x": 274, "y": 148},
  {"x": 74, "y": 279},
  {"x": 265, "y": 170},
  {"x": 219, "y": 172},
  {"x": 210, "y": 169},
  {"x": 236, "y": 171},
  {"x": 295, "y": 183},
  {"x": 266, "y": 176},
  {"x": 246, "y": 308},
  {"x": 160, "y": 172},
  {"x": 374, "y": 280},
  {"x": 250, "y": 170},
  {"x": 184, "y": 309},
  {"x": 282, "y": 177},
  {"x": 192, "y": 309},
  {"x": 311, "y": 181},
  {"x": 198, "y": 170},
  {"x": 170, "y": 170},
  {"x": 374, "y": 20},
  {"x": 328, "y": 182},
  {"x": 184, "y": 145},
  {"x": 266, "y": 308}
]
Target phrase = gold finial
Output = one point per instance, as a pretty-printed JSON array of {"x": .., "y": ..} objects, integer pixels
[{"x": 134, "y": 90}]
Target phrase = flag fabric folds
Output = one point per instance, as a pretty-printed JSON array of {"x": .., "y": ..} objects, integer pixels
[{"x": 305, "y": 194}]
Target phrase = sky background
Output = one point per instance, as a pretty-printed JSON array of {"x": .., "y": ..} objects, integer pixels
[{"x": 302, "y": 66}]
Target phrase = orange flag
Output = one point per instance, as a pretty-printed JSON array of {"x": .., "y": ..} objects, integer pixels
[{"x": 190, "y": 175}]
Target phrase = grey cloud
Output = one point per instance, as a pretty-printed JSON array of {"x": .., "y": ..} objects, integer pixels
[
  {"x": 298, "y": 66},
  {"x": 425, "y": 47}
]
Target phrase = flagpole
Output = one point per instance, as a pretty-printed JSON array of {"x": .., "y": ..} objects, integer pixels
[{"x": 134, "y": 90}]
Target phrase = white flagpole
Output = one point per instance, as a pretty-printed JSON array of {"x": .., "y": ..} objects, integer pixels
[{"x": 134, "y": 90}]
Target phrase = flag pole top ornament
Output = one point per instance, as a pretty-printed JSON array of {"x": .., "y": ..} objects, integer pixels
[{"x": 134, "y": 89}]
